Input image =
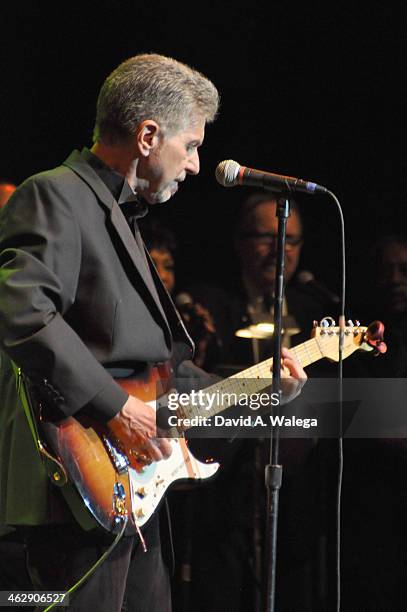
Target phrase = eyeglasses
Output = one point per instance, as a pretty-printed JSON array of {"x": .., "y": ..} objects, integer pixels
[{"x": 268, "y": 238}]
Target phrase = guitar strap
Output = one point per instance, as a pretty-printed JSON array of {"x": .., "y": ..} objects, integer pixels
[{"x": 53, "y": 467}]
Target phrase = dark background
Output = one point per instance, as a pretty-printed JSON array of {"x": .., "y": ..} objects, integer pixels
[{"x": 311, "y": 91}]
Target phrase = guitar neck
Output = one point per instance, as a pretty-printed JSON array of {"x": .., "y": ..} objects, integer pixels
[{"x": 226, "y": 393}]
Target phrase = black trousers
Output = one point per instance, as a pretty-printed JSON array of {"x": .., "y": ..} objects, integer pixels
[{"x": 129, "y": 580}]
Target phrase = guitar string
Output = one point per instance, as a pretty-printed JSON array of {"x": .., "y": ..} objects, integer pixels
[{"x": 252, "y": 380}]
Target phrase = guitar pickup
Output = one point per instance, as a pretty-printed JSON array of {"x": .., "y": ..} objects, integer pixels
[{"x": 119, "y": 459}]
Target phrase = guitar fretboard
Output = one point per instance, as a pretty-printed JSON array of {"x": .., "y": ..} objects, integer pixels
[{"x": 224, "y": 394}]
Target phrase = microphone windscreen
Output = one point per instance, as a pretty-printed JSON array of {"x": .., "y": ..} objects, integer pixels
[
  {"x": 184, "y": 299},
  {"x": 305, "y": 276},
  {"x": 226, "y": 173},
  {"x": 307, "y": 279}
]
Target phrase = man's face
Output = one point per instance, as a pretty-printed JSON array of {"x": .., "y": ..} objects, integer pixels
[
  {"x": 164, "y": 263},
  {"x": 169, "y": 162},
  {"x": 392, "y": 278},
  {"x": 258, "y": 245}
]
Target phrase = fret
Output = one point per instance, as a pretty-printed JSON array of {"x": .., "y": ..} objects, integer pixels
[{"x": 255, "y": 379}]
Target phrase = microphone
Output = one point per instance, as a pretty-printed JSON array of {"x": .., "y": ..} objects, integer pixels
[
  {"x": 185, "y": 302},
  {"x": 307, "y": 279},
  {"x": 229, "y": 173},
  {"x": 194, "y": 322}
]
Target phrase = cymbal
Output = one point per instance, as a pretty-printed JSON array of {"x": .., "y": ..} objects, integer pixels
[{"x": 262, "y": 331}]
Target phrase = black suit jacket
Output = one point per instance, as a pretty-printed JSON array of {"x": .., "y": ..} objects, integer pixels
[{"x": 78, "y": 299}]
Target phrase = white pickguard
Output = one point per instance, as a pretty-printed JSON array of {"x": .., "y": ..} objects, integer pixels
[{"x": 149, "y": 485}]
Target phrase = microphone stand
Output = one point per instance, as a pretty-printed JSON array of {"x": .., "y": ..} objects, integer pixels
[{"x": 274, "y": 471}]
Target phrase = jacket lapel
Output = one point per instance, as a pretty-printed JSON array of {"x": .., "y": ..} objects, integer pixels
[
  {"x": 170, "y": 309},
  {"x": 78, "y": 165}
]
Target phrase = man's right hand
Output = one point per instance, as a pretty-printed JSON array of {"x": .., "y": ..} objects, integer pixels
[{"x": 135, "y": 426}]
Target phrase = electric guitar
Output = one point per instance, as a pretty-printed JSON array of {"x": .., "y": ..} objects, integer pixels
[{"x": 115, "y": 481}]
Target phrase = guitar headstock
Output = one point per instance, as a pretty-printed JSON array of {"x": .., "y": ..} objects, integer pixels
[{"x": 356, "y": 337}]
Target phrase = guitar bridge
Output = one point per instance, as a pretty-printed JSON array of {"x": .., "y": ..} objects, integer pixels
[{"x": 119, "y": 459}]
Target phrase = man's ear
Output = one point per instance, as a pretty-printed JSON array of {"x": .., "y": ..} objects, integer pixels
[{"x": 148, "y": 135}]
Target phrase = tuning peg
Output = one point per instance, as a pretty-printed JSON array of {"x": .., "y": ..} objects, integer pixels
[
  {"x": 374, "y": 337},
  {"x": 349, "y": 323},
  {"x": 357, "y": 323},
  {"x": 327, "y": 322}
]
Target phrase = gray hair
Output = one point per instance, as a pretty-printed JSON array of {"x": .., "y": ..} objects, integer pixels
[{"x": 152, "y": 86}]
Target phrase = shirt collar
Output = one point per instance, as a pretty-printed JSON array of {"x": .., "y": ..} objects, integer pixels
[{"x": 117, "y": 185}]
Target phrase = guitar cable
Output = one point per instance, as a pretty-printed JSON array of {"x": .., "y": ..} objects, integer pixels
[{"x": 98, "y": 563}]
